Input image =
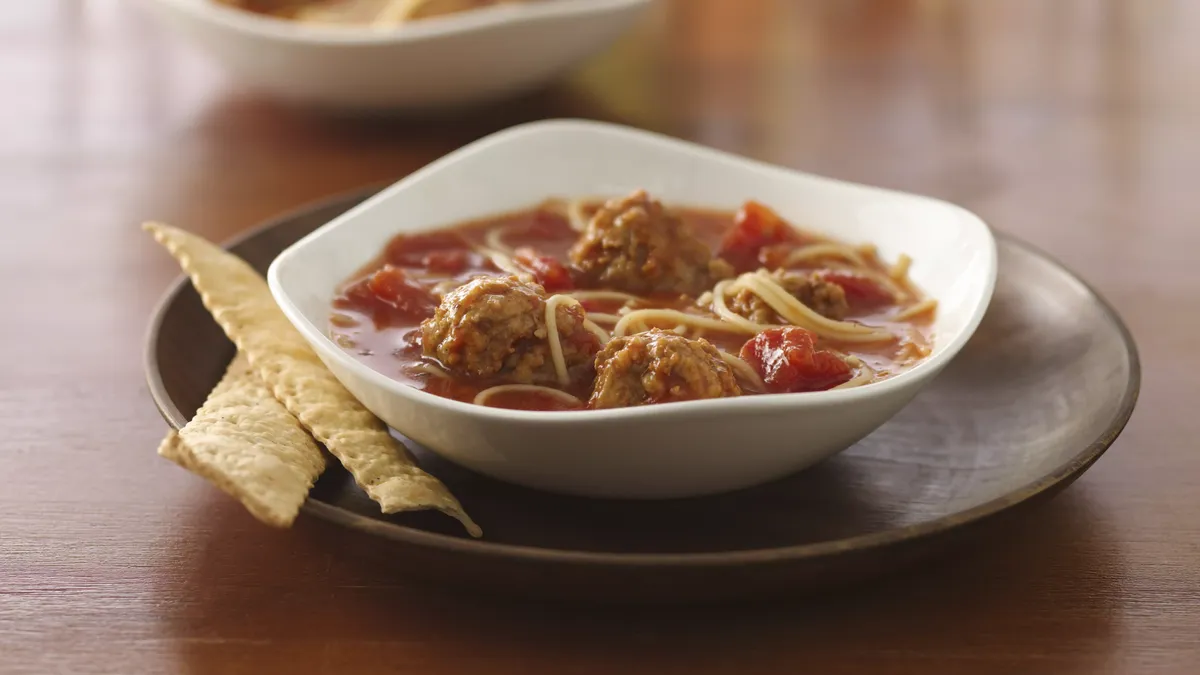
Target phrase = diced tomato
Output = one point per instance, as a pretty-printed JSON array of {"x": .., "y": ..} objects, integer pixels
[
  {"x": 413, "y": 250},
  {"x": 550, "y": 273},
  {"x": 391, "y": 298},
  {"x": 754, "y": 227},
  {"x": 393, "y": 286},
  {"x": 861, "y": 292},
  {"x": 788, "y": 360}
]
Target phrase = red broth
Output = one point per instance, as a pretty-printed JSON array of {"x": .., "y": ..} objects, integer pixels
[{"x": 386, "y": 335}]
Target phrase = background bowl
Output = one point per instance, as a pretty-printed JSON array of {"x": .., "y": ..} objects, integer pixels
[
  {"x": 456, "y": 59},
  {"x": 667, "y": 450}
]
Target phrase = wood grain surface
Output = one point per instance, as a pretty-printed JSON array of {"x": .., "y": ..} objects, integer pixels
[{"x": 1074, "y": 124}]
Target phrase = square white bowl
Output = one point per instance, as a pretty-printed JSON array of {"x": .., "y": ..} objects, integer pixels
[
  {"x": 659, "y": 451},
  {"x": 442, "y": 61}
]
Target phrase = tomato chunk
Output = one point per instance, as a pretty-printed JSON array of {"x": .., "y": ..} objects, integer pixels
[
  {"x": 755, "y": 227},
  {"x": 391, "y": 298},
  {"x": 788, "y": 360},
  {"x": 550, "y": 273},
  {"x": 861, "y": 292}
]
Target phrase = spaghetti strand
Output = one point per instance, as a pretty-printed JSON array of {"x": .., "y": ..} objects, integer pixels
[
  {"x": 641, "y": 316},
  {"x": 556, "y": 350},
  {"x": 797, "y": 313},
  {"x": 484, "y": 396},
  {"x": 744, "y": 370}
]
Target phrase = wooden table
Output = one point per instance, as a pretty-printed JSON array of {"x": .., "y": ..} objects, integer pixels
[{"x": 1073, "y": 124}]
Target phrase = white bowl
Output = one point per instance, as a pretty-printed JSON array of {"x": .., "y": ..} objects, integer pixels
[
  {"x": 455, "y": 59},
  {"x": 658, "y": 451}
]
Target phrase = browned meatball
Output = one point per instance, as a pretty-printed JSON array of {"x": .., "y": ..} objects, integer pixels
[
  {"x": 657, "y": 367},
  {"x": 636, "y": 245},
  {"x": 495, "y": 327},
  {"x": 823, "y": 297}
]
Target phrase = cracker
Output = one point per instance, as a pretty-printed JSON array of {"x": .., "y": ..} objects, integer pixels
[
  {"x": 240, "y": 301},
  {"x": 247, "y": 444}
]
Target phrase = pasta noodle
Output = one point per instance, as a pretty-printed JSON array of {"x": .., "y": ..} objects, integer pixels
[
  {"x": 912, "y": 349},
  {"x": 925, "y": 306},
  {"x": 604, "y": 318},
  {"x": 817, "y": 251},
  {"x": 899, "y": 271},
  {"x": 743, "y": 370},
  {"x": 484, "y": 396},
  {"x": 723, "y": 311},
  {"x": 574, "y": 210},
  {"x": 556, "y": 352},
  {"x": 795, "y": 312},
  {"x": 396, "y": 12},
  {"x": 430, "y": 369},
  {"x": 576, "y": 215},
  {"x": 641, "y": 316},
  {"x": 886, "y": 282},
  {"x": 494, "y": 240},
  {"x": 504, "y": 262},
  {"x": 596, "y": 330},
  {"x": 604, "y": 295},
  {"x": 864, "y": 374}
]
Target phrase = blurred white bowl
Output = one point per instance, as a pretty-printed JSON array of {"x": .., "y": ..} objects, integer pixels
[
  {"x": 442, "y": 61},
  {"x": 668, "y": 449}
]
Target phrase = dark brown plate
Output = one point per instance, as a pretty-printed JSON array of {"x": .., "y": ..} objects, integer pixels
[{"x": 1046, "y": 384}]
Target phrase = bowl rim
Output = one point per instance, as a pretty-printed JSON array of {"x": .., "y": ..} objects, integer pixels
[
  {"x": 521, "y": 553},
  {"x": 914, "y": 377},
  {"x": 473, "y": 21}
]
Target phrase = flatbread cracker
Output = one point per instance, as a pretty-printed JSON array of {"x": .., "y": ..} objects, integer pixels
[
  {"x": 240, "y": 301},
  {"x": 246, "y": 443}
]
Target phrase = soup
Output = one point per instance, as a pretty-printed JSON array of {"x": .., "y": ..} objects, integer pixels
[{"x": 577, "y": 305}]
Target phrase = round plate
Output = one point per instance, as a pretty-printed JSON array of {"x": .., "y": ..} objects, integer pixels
[{"x": 1046, "y": 384}]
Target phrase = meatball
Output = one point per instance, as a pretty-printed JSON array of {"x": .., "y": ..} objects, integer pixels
[
  {"x": 636, "y": 245},
  {"x": 657, "y": 367},
  {"x": 495, "y": 327},
  {"x": 823, "y": 297}
]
